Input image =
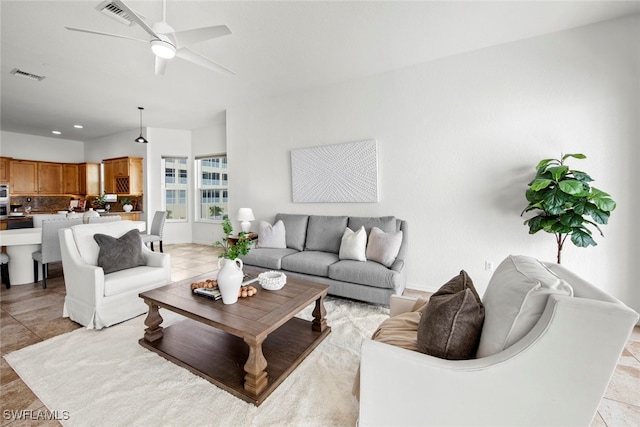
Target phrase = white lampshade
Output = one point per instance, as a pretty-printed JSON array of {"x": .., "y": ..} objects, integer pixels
[{"x": 245, "y": 215}]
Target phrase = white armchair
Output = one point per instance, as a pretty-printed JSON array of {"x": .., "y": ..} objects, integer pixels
[
  {"x": 98, "y": 300},
  {"x": 555, "y": 375}
]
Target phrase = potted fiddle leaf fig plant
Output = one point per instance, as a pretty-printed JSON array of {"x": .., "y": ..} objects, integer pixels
[{"x": 566, "y": 204}]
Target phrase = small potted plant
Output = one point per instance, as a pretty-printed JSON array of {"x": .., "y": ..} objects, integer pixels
[
  {"x": 230, "y": 273},
  {"x": 99, "y": 201},
  {"x": 234, "y": 247},
  {"x": 126, "y": 204}
]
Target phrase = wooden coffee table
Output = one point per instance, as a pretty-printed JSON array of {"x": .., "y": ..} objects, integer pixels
[{"x": 247, "y": 348}]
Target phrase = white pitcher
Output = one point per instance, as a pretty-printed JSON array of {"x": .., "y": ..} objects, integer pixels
[{"x": 230, "y": 279}]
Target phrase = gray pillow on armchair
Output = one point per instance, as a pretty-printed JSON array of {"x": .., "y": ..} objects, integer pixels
[
  {"x": 451, "y": 324},
  {"x": 119, "y": 253}
]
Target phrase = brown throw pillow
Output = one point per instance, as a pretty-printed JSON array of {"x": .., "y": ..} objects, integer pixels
[
  {"x": 451, "y": 324},
  {"x": 119, "y": 253}
]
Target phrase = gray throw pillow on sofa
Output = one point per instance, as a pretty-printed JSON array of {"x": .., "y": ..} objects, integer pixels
[
  {"x": 451, "y": 323},
  {"x": 119, "y": 253}
]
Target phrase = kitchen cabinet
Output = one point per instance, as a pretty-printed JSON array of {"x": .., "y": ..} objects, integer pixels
[
  {"x": 89, "y": 178},
  {"x": 123, "y": 175},
  {"x": 70, "y": 181},
  {"x": 23, "y": 177},
  {"x": 49, "y": 178},
  {"x": 5, "y": 177}
]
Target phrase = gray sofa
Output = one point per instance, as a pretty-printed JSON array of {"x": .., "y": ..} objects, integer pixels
[{"x": 312, "y": 253}]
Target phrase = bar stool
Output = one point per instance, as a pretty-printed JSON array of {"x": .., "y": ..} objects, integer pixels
[{"x": 4, "y": 260}]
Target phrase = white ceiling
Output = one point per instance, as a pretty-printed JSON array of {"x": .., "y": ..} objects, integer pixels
[{"x": 275, "y": 48}]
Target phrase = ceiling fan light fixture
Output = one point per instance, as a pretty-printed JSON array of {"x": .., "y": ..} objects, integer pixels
[
  {"x": 141, "y": 138},
  {"x": 163, "y": 49}
]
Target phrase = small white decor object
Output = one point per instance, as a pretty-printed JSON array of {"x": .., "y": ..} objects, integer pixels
[
  {"x": 89, "y": 214},
  {"x": 127, "y": 208},
  {"x": 230, "y": 279},
  {"x": 272, "y": 280},
  {"x": 340, "y": 173}
]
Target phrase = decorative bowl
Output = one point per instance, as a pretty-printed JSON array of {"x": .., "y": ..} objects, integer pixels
[{"x": 272, "y": 280}]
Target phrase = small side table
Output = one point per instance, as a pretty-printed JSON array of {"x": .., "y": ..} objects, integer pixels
[{"x": 233, "y": 239}]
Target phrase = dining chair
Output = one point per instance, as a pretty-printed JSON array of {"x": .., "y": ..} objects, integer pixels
[
  {"x": 4, "y": 260},
  {"x": 157, "y": 229},
  {"x": 50, "y": 249},
  {"x": 109, "y": 218}
]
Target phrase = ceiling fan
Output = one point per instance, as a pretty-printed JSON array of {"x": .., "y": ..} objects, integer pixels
[{"x": 167, "y": 43}]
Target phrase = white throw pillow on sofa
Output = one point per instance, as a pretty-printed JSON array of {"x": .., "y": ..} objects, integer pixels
[
  {"x": 353, "y": 245},
  {"x": 383, "y": 247},
  {"x": 514, "y": 301},
  {"x": 272, "y": 236}
]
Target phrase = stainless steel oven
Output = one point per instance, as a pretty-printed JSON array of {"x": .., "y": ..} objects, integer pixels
[{"x": 4, "y": 199}]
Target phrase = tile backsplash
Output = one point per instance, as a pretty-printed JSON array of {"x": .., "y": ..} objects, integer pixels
[{"x": 61, "y": 203}]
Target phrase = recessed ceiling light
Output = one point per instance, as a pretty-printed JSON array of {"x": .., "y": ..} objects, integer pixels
[
  {"x": 78, "y": 126},
  {"x": 56, "y": 132}
]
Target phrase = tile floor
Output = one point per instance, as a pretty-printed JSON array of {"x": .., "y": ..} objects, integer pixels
[{"x": 29, "y": 314}]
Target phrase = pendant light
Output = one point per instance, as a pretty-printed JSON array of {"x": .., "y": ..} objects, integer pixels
[{"x": 141, "y": 138}]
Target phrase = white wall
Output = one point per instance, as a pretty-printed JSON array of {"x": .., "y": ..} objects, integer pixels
[
  {"x": 204, "y": 142},
  {"x": 167, "y": 143},
  {"x": 40, "y": 148},
  {"x": 458, "y": 140}
]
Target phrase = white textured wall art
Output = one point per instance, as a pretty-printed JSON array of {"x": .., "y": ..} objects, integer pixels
[{"x": 340, "y": 173}]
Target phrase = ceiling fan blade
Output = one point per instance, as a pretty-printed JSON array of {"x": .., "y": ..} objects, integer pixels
[
  {"x": 136, "y": 17},
  {"x": 188, "y": 37},
  {"x": 81, "y": 30},
  {"x": 199, "y": 59},
  {"x": 161, "y": 64}
]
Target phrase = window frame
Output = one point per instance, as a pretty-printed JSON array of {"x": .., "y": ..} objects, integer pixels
[{"x": 221, "y": 187}]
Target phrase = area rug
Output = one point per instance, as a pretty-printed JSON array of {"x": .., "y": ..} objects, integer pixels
[{"x": 105, "y": 378}]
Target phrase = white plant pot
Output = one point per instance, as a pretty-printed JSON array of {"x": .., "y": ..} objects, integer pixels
[
  {"x": 127, "y": 208},
  {"x": 230, "y": 279}
]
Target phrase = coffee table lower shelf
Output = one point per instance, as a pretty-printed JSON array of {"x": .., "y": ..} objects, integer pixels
[{"x": 219, "y": 357}]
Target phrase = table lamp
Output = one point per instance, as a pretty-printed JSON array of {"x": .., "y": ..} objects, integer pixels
[{"x": 245, "y": 215}]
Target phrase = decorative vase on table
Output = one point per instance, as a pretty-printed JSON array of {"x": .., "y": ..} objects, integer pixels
[
  {"x": 127, "y": 208},
  {"x": 230, "y": 279},
  {"x": 89, "y": 214}
]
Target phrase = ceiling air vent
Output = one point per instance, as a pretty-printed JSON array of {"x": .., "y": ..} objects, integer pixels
[
  {"x": 26, "y": 75},
  {"x": 112, "y": 10}
]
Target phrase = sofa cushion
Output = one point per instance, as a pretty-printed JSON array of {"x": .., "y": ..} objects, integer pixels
[
  {"x": 267, "y": 257},
  {"x": 368, "y": 273},
  {"x": 353, "y": 245},
  {"x": 271, "y": 236},
  {"x": 383, "y": 247},
  {"x": 451, "y": 324},
  {"x": 515, "y": 299},
  {"x": 324, "y": 233},
  {"x": 119, "y": 253},
  {"x": 295, "y": 229},
  {"x": 384, "y": 223},
  {"x": 310, "y": 262},
  {"x": 83, "y": 237}
]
